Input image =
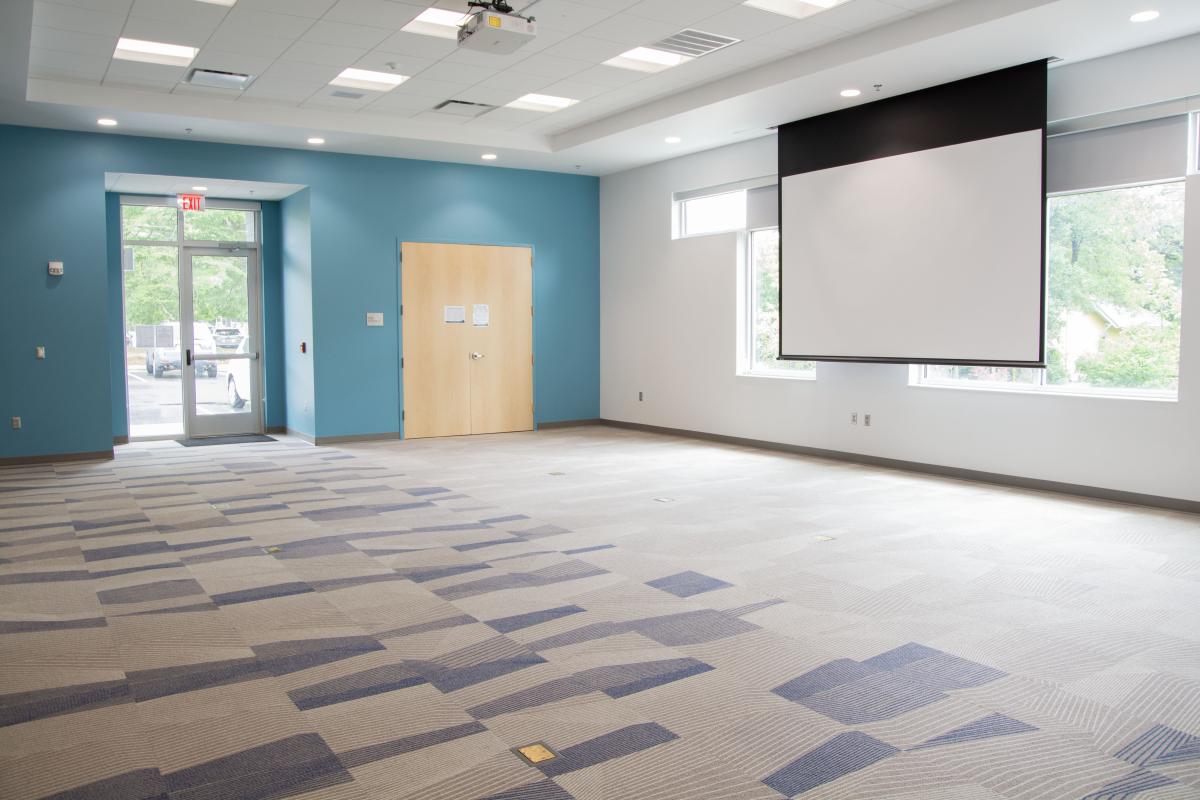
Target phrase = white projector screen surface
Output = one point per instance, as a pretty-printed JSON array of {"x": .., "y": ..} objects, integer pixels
[{"x": 933, "y": 255}]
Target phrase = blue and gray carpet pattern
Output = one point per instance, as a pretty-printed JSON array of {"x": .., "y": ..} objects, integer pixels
[{"x": 272, "y": 620}]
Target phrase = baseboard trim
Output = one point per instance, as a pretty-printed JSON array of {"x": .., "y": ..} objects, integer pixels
[
  {"x": 120, "y": 440},
  {"x": 569, "y": 423},
  {"x": 359, "y": 437},
  {"x": 276, "y": 429},
  {"x": 299, "y": 435},
  {"x": 49, "y": 458},
  {"x": 958, "y": 473}
]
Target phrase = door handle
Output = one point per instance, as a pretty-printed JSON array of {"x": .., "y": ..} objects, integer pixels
[
  {"x": 476, "y": 356},
  {"x": 189, "y": 357}
]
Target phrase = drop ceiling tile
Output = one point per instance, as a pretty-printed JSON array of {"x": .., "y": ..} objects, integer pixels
[
  {"x": 413, "y": 44},
  {"x": 338, "y": 99},
  {"x": 802, "y": 35},
  {"x": 112, "y": 6},
  {"x": 391, "y": 113},
  {"x": 161, "y": 30},
  {"x": 321, "y": 74},
  {"x": 188, "y": 89},
  {"x": 331, "y": 55},
  {"x": 422, "y": 86},
  {"x": 860, "y": 15},
  {"x": 185, "y": 12},
  {"x": 520, "y": 82},
  {"x": 400, "y": 101},
  {"x": 611, "y": 77},
  {"x": 232, "y": 40},
  {"x": 81, "y": 20},
  {"x": 265, "y": 23},
  {"x": 586, "y": 48},
  {"x": 72, "y": 42},
  {"x": 742, "y": 22},
  {"x": 567, "y": 15},
  {"x": 299, "y": 8},
  {"x": 515, "y": 115},
  {"x": 575, "y": 89},
  {"x": 919, "y": 5},
  {"x": 551, "y": 66},
  {"x": 492, "y": 95},
  {"x": 138, "y": 73},
  {"x": 51, "y": 63},
  {"x": 682, "y": 15},
  {"x": 375, "y": 13},
  {"x": 491, "y": 122},
  {"x": 210, "y": 58},
  {"x": 495, "y": 63},
  {"x": 457, "y": 73},
  {"x": 441, "y": 119},
  {"x": 381, "y": 61},
  {"x": 345, "y": 34},
  {"x": 631, "y": 30},
  {"x": 280, "y": 89}
]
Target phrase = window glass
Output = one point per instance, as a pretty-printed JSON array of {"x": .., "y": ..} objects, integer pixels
[
  {"x": 1115, "y": 271},
  {"x": 764, "y": 304},
  {"x": 149, "y": 223},
  {"x": 218, "y": 225},
  {"x": 715, "y": 213}
]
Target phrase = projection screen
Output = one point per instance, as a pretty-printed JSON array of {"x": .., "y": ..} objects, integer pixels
[{"x": 913, "y": 228}]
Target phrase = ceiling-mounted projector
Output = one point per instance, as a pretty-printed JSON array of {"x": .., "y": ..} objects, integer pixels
[{"x": 494, "y": 28}]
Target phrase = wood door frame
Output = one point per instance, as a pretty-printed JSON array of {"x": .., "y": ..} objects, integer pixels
[{"x": 533, "y": 322}]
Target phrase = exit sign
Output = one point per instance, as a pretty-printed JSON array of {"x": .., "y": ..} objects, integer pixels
[{"x": 191, "y": 202}]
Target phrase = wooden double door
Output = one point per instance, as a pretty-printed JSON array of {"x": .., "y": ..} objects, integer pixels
[{"x": 467, "y": 339}]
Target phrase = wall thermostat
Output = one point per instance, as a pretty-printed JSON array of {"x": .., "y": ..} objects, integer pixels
[{"x": 56, "y": 268}]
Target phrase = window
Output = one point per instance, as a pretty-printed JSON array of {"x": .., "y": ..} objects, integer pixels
[
  {"x": 219, "y": 225},
  {"x": 1115, "y": 273},
  {"x": 714, "y": 213},
  {"x": 763, "y": 310}
]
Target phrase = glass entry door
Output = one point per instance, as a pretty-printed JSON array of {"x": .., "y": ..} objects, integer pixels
[{"x": 219, "y": 297}]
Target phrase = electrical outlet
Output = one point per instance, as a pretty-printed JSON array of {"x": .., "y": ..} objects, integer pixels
[
  {"x": 867, "y": 420},
  {"x": 16, "y": 423},
  {"x": 853, "y": 417},
  {"x": 640, "y": 397}
]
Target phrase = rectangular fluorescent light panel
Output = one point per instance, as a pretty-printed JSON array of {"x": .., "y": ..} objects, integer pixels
[
  {"x": 226, "y": 3},
  {"x": 438, "y": 22},
  {"x": 798, "y": 9},
  {"x": 368, "y": 79},
  {"x": 647, "y": 59},
  {"x": 175, "y": 55},
  {"x": 542, "y": 102}
]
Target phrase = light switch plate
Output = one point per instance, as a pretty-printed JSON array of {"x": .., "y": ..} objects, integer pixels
[
  {"x": 39, "y": 352},
  {"x": 374, "y": 319}
]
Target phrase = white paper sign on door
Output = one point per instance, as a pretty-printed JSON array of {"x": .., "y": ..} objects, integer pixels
[
  {"x": 455, "y": 314},
  {"x": 480, "y": 315}
]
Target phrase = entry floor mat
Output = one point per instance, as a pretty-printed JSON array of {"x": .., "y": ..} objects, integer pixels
[{"x": 238, "y": 439}]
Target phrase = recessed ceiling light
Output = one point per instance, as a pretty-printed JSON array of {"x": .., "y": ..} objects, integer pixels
[
  {"x": 107, "y": 122},
  {"x": 219, "y": 2},
  {"x": 438, "y": 22},
  {"x": 199, "y": 188},
  {"x": 175, "y": 55},
  {"x": 489, "y": 156},
  {"x": 672, "y": 140},
  {"x": 798, "y": 9},
  {"x": 542, "y": 102},
  {"x": 1144, "y": 16},
  {"x": 647, "y": 59},
  {"x": 315, "y": 140},
  {"x": 368, "y": 79},
  {"x": 851, "y": 92}
]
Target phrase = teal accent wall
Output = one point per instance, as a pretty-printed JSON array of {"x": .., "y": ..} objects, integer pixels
[{"x": 355, "y": 211}]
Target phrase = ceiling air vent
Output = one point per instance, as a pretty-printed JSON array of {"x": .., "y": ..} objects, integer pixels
[
  {"x": 694, "y": 43},
  {"x": 219, "y": 79},
  {"x": 462, "y": 108}
]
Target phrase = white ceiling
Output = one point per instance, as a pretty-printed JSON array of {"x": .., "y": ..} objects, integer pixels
[
  {"x": 56, "y": 69},
  {"x": 168, "y": 185}
]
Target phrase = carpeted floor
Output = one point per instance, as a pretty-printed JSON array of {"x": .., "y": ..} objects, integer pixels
[{"x": 674, "y": 619}]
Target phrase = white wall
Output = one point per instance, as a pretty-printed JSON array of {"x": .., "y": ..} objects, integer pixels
[{"x": 669, "y": 329}]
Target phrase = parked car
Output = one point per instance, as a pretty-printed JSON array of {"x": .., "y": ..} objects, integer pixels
[
  {"x": 160, "y": 360},
  {"x": 238, "y": 384},
  {"x": 227, "y": 338}
]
